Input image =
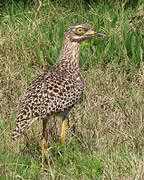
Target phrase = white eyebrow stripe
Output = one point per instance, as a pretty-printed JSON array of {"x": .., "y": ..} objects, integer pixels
[{"x": 78, "y": 26}]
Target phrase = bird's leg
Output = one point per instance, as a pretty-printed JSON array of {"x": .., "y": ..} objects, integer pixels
[
  {"x": 62, "y": 137},
  {"x": 63, "y": 129},
  {"x": 43, "y": 141}
]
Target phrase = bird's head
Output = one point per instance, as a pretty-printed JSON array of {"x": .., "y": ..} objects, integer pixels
[{"x": 80, "y": 32}]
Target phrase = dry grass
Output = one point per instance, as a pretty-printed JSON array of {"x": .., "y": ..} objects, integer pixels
[{"x": 114, "y": 108}]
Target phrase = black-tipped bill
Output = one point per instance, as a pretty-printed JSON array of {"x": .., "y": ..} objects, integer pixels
[
  {"x": 99, "y": 34},
  {"x": 92, "y": 33}
]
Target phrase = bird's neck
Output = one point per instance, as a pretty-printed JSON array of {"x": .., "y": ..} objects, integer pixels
[{"x": 69, "y": 55}]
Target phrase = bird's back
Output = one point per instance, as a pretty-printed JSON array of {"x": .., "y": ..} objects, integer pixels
[{"x": 52, "y": 92}]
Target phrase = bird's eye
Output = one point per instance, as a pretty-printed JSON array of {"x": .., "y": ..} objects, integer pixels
[{"x": 79, "y": 30}]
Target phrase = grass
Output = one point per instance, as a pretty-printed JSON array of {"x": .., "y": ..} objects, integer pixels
[{"x": 105, "y": 137}]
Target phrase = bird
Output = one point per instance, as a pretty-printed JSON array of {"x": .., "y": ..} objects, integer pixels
[{"x": 57, "y": 90}]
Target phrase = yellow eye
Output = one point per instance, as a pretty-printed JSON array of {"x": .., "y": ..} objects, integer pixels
[{"x": 79, "y": 30}]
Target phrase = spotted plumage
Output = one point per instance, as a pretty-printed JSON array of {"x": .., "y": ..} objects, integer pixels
[{"x": 58, "y": 90}]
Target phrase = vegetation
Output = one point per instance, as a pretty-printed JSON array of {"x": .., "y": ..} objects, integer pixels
[{"x": 105, "y": 136}]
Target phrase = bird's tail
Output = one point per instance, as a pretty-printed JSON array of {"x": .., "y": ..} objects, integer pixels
[
  {"x": 16, "y": 133},
  {"x": 21, "y": 126}
]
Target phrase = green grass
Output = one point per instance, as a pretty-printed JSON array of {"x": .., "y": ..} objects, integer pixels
[{"x": 105, "y": 137}]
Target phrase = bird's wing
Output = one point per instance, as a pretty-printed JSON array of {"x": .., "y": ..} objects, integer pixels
[{"x": 50, "y": 93}]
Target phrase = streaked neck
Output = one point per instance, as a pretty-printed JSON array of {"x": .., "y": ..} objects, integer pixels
[{"x": 69, "y": 54}]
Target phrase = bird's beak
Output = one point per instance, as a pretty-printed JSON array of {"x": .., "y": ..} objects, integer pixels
[
  {"x": 92, "y": 33},
  {"x": 99, "y": 34}
]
